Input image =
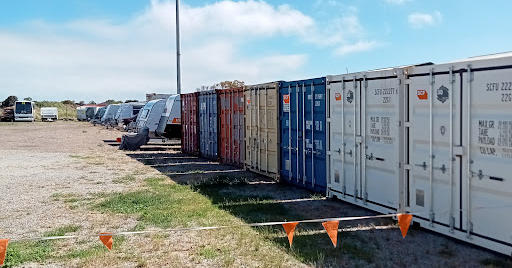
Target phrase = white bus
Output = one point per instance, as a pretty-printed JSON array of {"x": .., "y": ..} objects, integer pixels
[{"x": 24, "y": 111}]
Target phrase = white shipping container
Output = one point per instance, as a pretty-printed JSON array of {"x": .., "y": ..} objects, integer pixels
[
  {"x": 458, "y": 133},
  {"x": 262, "y": 129},
  {"x": 365, "y": 144}
]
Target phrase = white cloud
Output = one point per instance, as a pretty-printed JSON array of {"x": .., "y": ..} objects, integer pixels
[
  {"x": 420, "y": 20},
  {"x": 360, "y": 46},
  {"x": 397, "y": 2},
  {"x": 100, "y": 59}
]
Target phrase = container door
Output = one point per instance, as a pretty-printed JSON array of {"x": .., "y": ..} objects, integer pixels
[
  {"x": 487, "y": 184},
  {"x": 204, "y": 124},
  {"x": 292, "y": 127},
  {"x": 269, "y": 129},
  {"x": 250, "y": 129},
  {"x": 381, "y": 148},
  {"x": 433, "y": 133},
  {"x": 238, "y": 130},
  {"x": 212, "y": 125},
  {"x": 345, "y": 172}
]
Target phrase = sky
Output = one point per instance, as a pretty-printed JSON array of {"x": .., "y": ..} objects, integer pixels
[{"x": 121, "y": 49}]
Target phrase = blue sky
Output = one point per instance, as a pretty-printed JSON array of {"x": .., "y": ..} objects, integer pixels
[{"x": 96, "y": 49}]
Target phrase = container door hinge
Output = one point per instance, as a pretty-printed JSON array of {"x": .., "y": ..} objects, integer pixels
[
  {"x": 468, "y": 235},
  {"x": 432, "y": 217},
  {"x": 452, "y": 224},
  {"x": 365, "y": 197}
]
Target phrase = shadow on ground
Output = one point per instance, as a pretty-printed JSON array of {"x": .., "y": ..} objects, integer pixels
[{"x": 255, "y": 198}]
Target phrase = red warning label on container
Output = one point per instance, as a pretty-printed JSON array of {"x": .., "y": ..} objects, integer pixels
[
  {"x": 286, "y": 102},
  {"x": 422, "y": 94},
  {"x": 176, "y": 120},
  {"x": 337, "y": 96},
  {"x": 248, "y": 101}
]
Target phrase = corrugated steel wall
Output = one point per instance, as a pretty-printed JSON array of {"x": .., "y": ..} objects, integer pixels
[
  {"x": 208, "y": 124},
  {"x": 232, "y": 138},
  {"x": 190, "y": 123},
  {"x": 303, "y": 135},
  {"x": 365, "y": 138},
  {"x": 262, "y": 129}
]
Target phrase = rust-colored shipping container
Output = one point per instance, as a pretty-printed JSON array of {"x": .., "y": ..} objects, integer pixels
[
  {"x": 231, "y": 113},
  {"x": 190, "y": 123}
]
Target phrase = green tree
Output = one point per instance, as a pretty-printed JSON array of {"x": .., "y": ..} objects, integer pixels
[
  {"x": 10, "y": 101},
  {"x": 28, "y": 99},
  {"x": 69, "y": 102}
]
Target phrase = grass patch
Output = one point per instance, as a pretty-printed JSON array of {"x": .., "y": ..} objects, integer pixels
[
  {"x": 207, "y": 252},
  {"x": 165, "y": 205},
  {"x": 63, "y": 230},
  {"x": 125, "y": 179},
  {"x": 22, "y": 252}
]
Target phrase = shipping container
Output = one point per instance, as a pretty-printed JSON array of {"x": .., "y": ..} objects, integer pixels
[
  {"x": 303, "y": 133},
  {"x": 190, "y": 123},
  {"x": 208, "y": 124},
  {"x": 262, "y": 129},
  {"x": 231, "y": 121},
  {"x": 458, "y": 152},
  {"x": 364, "y": 138}
]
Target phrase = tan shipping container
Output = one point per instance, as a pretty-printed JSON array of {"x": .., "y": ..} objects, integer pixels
[{"x": 262, "y": 129}]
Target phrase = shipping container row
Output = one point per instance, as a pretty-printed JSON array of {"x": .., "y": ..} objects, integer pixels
[{"x": 431, "y": 140}]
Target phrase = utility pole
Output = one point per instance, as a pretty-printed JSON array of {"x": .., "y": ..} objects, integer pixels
[{"x": 178, "y": 48}]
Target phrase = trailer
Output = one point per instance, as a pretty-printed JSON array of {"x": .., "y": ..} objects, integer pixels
[{"x": 49, "y": 114}]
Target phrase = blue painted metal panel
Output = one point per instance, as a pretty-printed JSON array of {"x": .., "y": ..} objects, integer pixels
[
  {"x": 303, "y": 148},
  {"x": 208, "y": 124}
]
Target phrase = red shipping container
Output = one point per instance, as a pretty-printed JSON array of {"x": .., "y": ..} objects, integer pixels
[
  {"x": 190, "y": 123},
  {"x": 232, "y": 138}
]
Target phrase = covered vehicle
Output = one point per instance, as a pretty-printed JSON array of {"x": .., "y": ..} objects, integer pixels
[
  {"x": 24, "y": 111},
  {"x": 128, "y": 111},
  {"x": 150, "y": 115},
  {"x": 170, "y": 121},
  {"x": 98, "y": 115},
  {"x": 110, "y": 113},
  {"x": 80, "y": 113}
]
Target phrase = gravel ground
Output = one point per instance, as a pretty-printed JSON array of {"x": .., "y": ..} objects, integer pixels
[{"x": 42, "y": 162}]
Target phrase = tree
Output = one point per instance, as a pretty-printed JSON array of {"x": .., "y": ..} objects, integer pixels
[
  {"x": 112, "y": 102},
  {"x": 10, "y": 101},
  {"x": 92, "y": 102},
  {"x": 68, "y": 102},
  {"x": 227, "y": 84},
  {"x": 81, "y": 103},
  {"x": 28, "y": 99}
]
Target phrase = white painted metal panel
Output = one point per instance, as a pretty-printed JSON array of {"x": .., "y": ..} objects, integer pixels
[
  {"x": 487, "y": 164},
  {"x": 460, "y": 150},
  {"x": 364, "y": 140}
]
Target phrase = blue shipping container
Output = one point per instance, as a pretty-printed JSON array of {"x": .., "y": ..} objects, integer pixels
[
  {"x": 303, "y": 135},
  {"x": 208, "y": 124}
]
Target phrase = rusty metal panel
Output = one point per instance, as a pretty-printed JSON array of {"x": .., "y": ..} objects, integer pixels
[
  {"x": 190, "y": 123},
  {"x": 231, "y": 120}
]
